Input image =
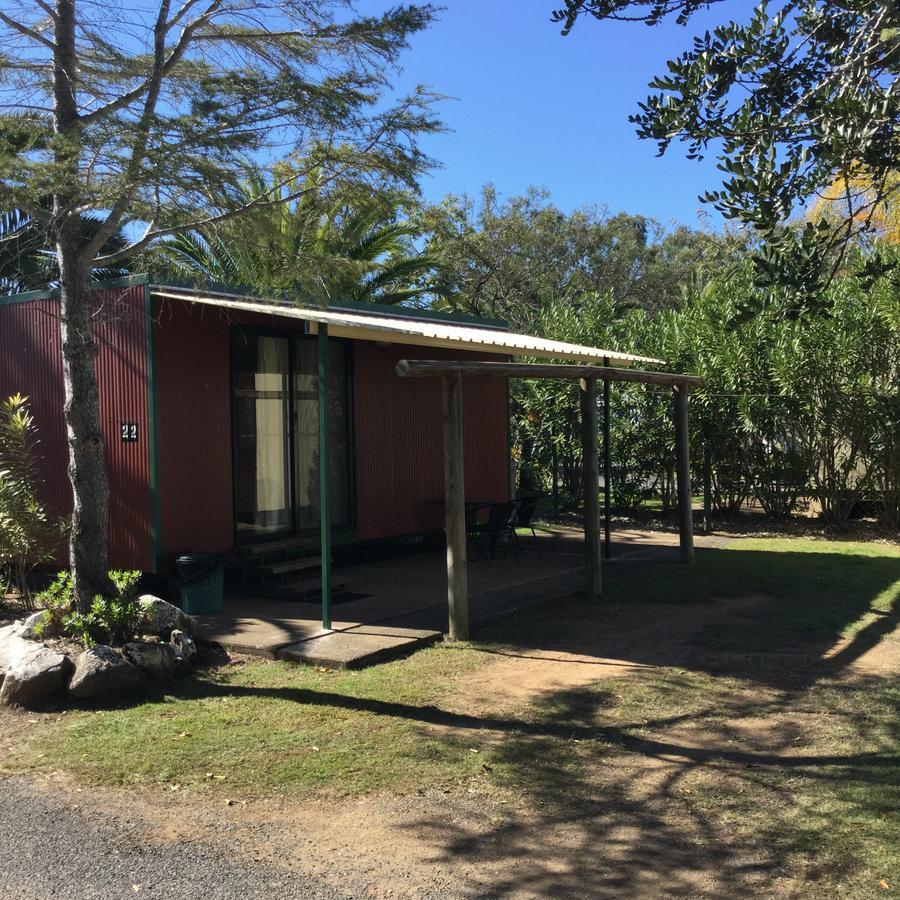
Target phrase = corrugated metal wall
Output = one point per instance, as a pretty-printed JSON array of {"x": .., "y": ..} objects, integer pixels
[
  {"x": 399, "y": 441},
  {"x": 30, "y": 363},
  {"x": 193, "y": 413},
  {"x": 397, "y": 425}
]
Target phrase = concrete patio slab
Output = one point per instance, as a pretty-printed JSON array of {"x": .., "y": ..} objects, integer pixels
[
  {"x": 354, "y": 648},
  {"x": 404, "y": 599}
]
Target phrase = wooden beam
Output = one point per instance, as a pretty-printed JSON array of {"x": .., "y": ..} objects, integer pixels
[
  {"x": 683, "y": 470},
  {"x": 591, "y": 466},
  {"x": 707, "y": 488},
  {"x": 435, "y": 368},
  {"x": 455, "y": 509}
]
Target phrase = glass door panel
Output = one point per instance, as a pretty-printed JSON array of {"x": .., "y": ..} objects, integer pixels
[{"x": 261, "y": 418}]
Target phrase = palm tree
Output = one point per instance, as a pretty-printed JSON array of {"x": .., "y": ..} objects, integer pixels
[
  {"x": 28, "y": 263},
  {"x": 321, "y": 248}
]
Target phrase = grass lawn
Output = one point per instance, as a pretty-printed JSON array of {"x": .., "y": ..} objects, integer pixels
[
  {"x": 799, "y": 778},
  {"x": 655, "y": 504},
  {"x": 818, "y": 590}
]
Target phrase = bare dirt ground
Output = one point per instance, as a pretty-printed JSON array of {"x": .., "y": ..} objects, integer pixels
[{"x": 629, "y": 830}]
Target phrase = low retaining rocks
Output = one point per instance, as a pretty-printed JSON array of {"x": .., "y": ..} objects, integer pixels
[
  {"x": 102, "y": 673},
  {"x": 160, "y": 662},
  {"x": 163, "y": 618},
  {"x": 31, "y": 673}
]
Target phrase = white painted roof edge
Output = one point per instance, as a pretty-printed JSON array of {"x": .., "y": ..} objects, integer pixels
[{"x": 449, "y": 334}]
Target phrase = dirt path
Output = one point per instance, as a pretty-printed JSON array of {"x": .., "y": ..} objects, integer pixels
[{"x": 630, "y": 828}]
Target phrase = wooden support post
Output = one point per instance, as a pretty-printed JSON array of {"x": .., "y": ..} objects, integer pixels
[
  {"x": 554, "y": 461},
  {"x": 683, "y": 473},
  {"x": 591, "y": 467},
  {"x": 324, "y": 485},
  {"x": 707, "y": 489},
  {"x": 455, "y": 508}
]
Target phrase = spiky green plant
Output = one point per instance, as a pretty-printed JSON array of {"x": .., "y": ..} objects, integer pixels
[{"x": 28, "y": 534}]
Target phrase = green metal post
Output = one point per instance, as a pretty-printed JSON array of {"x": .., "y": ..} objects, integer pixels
[
  {"x": 607, "y": 470},
  {"x": 324, "y": 493},
  {"x": 152, "y": 419}
]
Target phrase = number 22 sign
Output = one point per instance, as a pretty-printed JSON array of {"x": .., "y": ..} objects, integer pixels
[{"x": 129, "y": 432}]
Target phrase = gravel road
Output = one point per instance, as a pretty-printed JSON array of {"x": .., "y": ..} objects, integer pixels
[{"x": 51, "y": 849}]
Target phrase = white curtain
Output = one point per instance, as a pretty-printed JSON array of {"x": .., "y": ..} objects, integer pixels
[{"x": 271, "y": 437}]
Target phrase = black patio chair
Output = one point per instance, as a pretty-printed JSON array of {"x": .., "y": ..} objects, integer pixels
[
  {"x": 486, "y": 534},
  {"x": 523, "y": 517}
]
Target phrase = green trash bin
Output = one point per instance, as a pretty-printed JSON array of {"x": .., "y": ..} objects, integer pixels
[{"x": 200, "y": 578}]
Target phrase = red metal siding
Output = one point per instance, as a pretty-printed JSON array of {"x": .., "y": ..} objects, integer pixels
[
  {"x": 398, "y": 441},
  {"x": 193, "y": 414},
  {"x": 30, "y": 363}
]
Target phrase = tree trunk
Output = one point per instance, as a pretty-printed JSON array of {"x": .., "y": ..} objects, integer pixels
[{"x": 87, "y": 460}]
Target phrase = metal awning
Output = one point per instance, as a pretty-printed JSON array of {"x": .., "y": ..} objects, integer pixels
[{"x": 406, "y": 328}]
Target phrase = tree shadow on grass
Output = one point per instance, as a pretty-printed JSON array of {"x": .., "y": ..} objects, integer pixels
[
  {"x": 775, "y": 617},
  {"x": 699, "y": 785},
  {"x": 664, "y": 804},
  {"x": 629, "y": 814}
]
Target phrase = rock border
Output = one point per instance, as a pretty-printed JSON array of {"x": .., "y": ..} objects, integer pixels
[{"x": 33, "y": 674}]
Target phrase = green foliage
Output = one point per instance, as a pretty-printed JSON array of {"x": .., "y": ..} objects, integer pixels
[
  {"x": 27, "y": 263},
  {"x": 354, "y": 243},
  {"x": 793, "y": 407},
  {"x": 511, "y": 259},
  {"x": 797, "y": 97},
  {"x": 165, "y": 129},
  {"x": 109, "y": 620},
  {"x": 56, "y": 599},
  {"x": 28, "y": 534}
]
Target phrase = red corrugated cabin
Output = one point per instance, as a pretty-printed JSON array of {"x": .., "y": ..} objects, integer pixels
[{"x": 210, "y": 413}]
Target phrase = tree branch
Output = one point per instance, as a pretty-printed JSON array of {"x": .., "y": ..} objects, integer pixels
[
  {"x": 261, "y": 202},
  {"x": 26, "y": 31},
  {"x": 160, "y": 66},
  {"x": 155, "y": 79}
]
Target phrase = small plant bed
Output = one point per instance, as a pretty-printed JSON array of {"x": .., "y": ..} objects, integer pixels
[{"x": 122, "y": 646}]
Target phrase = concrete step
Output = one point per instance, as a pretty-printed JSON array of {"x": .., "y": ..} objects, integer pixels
[
  {"x": 354, "y": 648},
  {"x": 266, "y": 548},
  {"x": 289, "y": 565},
  {"x": 291, "y": 590}
]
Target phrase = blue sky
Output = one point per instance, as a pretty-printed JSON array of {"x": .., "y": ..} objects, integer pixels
[{"x": 534, "y": 108}]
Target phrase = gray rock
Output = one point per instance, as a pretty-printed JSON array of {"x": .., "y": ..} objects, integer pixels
[
  {"x": 184, "y": 645},
  {"x": 161, "y": 662},
  {"x": 11, "y": 646},
  {"x": 163, "y": 618},
  {"x": 103, "y": 674},
  {"x": 34, "y": 627},
  {"x": 34, "y": 675}
]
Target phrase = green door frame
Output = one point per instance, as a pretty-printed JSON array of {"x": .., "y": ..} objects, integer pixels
[{"x": 324, "y": 486}]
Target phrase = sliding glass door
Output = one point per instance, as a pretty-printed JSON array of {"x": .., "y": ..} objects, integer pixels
[
  {"x": 276, "y": 434},
  {"x": 261, "y": 416}
]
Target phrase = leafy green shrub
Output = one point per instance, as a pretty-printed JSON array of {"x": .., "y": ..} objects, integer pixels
[
  {"x": 110, "y": 620},
  {"x": 793, "y": 409},
  {"x": 57, "y": 601}
]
